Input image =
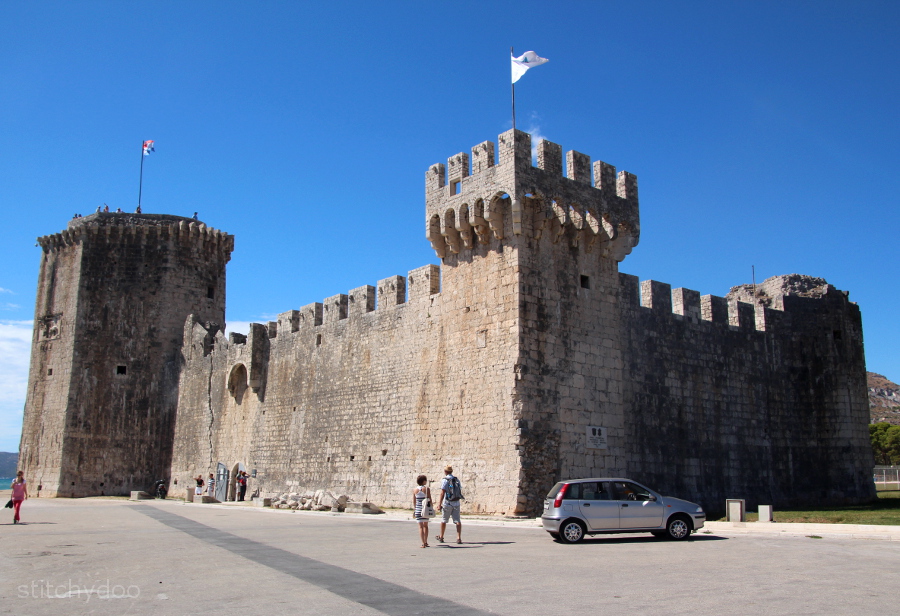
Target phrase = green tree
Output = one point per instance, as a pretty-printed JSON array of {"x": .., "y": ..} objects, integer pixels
[{"x": 885, "y": 443}]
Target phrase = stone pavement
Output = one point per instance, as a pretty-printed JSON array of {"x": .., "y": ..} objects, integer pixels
[
  {"x": 111, "y": 556},
  {"x": 849, "y": 531}
]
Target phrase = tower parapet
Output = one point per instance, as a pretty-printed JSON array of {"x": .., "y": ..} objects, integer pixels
[
  {"x": 108, "y": 226},
  {"x": 464, "y": 208}
]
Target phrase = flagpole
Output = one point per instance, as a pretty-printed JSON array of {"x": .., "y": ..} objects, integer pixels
[
  {"x": 513, "y": 96},
  {"x": 141, "y": 181}
]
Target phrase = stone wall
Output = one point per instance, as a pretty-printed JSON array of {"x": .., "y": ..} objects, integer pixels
[
  {"x": 746, "y": 401},
  {"x": 362, "y": 397},
  {"x": 50, "y": 372}
]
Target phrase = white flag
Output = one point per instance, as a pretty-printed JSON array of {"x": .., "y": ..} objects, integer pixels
[{"x": 525, "y": 62}]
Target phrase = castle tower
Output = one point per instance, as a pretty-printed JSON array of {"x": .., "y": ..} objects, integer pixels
[
  {"x": 557, "y": 232},
  {"x": 113, "y": 294}
]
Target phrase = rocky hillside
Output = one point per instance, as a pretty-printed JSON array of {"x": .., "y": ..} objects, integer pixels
[
  {"x": 884, "y": 399},
  {"x": 8, "y": 464}
]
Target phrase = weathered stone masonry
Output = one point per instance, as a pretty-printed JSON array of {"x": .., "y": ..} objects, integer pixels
[
  {"x": 112, "y": 293},
  {"x": 498, "y": 362}
]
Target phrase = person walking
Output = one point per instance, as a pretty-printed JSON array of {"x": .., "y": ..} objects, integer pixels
[
  {"x": 19, "y": 494},
  {"x": 211, "y": 486},
  {"x": 451, "y": 494},
  {"x": 422, "y": 500}
]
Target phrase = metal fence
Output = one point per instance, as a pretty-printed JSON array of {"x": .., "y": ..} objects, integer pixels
[{"x": 887, "y": 477}]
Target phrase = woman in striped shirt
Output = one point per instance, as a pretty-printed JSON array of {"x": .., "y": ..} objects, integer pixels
[{"x": 421, "y": 497}]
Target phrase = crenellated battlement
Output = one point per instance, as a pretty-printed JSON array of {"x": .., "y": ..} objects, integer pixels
[
  {"x": 421, "y": 283},
  {"x": 764, "y": 313},
  {"x": 143, "y": 228},
  {"x": 590, "y": 204}
]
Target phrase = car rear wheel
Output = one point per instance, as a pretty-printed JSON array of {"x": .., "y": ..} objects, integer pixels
[
  {"x": 571, "y": 531},
  {"x": 678, "y": 528}
]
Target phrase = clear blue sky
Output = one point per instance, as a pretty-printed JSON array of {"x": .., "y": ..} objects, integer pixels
[{"x": 762, "y": 133}]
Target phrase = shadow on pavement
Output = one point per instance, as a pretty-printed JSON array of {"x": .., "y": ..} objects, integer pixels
[
  {"x": 622, "y": 540},
  {"x": 472, "y": 544}
]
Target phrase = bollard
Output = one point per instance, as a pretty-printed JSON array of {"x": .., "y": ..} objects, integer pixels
[{"x": 735, "y": 510}]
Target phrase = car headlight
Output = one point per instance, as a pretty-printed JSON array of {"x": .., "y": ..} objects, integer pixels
[{"x": 699, "y": 510}]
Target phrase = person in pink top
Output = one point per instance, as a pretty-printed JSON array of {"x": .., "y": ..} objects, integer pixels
[{"x": 19, "y": 493}]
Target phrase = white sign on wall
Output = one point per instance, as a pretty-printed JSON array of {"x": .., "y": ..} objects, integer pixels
[{"x": 596, "y": 437}]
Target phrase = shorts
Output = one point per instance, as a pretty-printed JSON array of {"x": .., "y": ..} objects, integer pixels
[{"x": 450, "y": 508}]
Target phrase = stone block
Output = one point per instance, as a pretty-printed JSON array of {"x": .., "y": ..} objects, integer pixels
[
  {"x": 766, "y": 513},
  {"x": 362, "y": 508},
  {"x": 139, "y": 495}
]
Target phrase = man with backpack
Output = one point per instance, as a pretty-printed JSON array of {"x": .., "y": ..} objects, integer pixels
[{"x": 451, "y": 494}]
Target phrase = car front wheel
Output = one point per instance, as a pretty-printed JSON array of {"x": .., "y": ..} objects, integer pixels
[
  {"x": 678, "y": 528},
  {"x": 571, "y": 531}
]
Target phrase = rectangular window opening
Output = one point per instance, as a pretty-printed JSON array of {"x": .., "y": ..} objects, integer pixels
[
  {"x": 585, "y": 282},
  {"x": 121, "y": 370},
  {"x": 455, "y": 187},
  {"x": 49, "y": 371},
  {"x": 211, "y": 292},
  {"x": 318, "y": 339}
]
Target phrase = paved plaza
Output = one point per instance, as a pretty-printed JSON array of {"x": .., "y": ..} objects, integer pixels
[{"x": 112, "y": 556}]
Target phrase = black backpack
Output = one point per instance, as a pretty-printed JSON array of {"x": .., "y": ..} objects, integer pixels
[{"x": 454, "y": 490}]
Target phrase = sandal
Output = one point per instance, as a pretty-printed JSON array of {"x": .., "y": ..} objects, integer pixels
[
  {"x": 459, "y": 541},
  {"x": 439, "y": 538}
]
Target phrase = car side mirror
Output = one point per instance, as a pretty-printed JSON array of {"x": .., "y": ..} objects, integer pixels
[{"x": 652, "y": 498}]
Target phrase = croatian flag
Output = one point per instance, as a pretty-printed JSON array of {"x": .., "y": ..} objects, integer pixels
[
  {"x": 527, "y": 60},
  {"x": 148, "y": 147}
]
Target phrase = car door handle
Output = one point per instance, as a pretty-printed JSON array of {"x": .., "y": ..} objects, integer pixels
[
  {"x": 586, "y": 505},
  {"x": 624, "y": 504}
]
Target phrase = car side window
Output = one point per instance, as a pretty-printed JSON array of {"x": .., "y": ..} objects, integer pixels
[
  {"x": 631, "y": 491},
  {"x": 595, "y": 490},
  {"x": 573, "y": 492}
]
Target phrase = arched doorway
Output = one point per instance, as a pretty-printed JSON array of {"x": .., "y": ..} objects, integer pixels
[{"x": 232, "y": 483}]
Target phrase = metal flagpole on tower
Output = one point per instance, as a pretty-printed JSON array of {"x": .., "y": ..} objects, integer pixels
[
  {"x": 141, "y": 181},
  {"x": 513, "y": 95}
]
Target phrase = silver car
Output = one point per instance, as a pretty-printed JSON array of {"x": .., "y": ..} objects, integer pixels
[{"x": 582, "y": 507}]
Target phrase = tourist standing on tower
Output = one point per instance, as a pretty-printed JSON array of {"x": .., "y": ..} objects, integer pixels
[{"x": 19, "y": 494}]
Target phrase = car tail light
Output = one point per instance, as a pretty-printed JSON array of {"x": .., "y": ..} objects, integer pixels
[{"x": 559, "y": 496}]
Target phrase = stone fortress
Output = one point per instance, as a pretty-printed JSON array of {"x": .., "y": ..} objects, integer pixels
[{"x": 525, "y": 358}]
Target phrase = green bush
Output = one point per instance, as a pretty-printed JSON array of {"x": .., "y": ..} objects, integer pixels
[{"x": 885, "y": 443}]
